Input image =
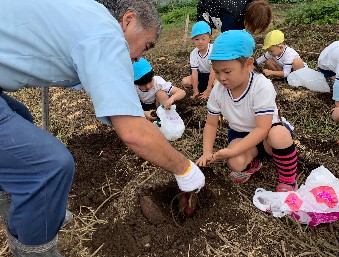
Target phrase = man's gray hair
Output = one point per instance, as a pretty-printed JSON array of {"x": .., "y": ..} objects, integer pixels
[{"x": 147, "y": 15}]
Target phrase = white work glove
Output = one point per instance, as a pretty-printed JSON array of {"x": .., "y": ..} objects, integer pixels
[{"x": 192, "y": 180}]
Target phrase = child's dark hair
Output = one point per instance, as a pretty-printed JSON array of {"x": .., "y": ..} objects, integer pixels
[
  {"x": 147, "y": 78},
  {"x": 257, "y": 68}
]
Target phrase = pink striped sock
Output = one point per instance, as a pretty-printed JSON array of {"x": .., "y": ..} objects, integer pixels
[{"x": 286, "y": 161}]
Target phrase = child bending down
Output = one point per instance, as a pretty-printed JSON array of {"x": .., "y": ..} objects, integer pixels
[
  {"x": 153, "y": 90},
  {"x": 247, "y": 100},
  {"x": 280, "y": 59},
  {"x": 328, "y": 64},
  {"x": 202, "y": 76}
]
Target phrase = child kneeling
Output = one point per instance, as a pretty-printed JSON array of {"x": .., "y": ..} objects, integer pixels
[
  {"x": 202, "y": 76},
  {"x": 247, "y": 101},
  {"x": 153, "y": 90},
  {"x": 280, "y": 59}
]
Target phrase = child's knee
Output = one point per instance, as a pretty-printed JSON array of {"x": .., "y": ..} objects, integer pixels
[
  {"x": 161, "y": 93},
  {"x": 161, "y": 97},
  {"x": 237, "y": 163},
  {"x": 186, "y": 81},
  {"x": 298, "y": 63},
  {"x": 279, "y": 137},
  {"x": 272, "y": 64}
]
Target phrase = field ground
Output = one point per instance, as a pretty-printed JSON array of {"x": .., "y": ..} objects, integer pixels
[{"x": 110, "y": 179}]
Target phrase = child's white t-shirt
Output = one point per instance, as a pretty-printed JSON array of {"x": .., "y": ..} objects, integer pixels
[
  {"x": 329, "y": 58},
  {"x": 149, "y": 97},
  {"x": 257, "y": 99},
  {"x": 202, "y": 63},
  {"x": 285, "y": 60}
]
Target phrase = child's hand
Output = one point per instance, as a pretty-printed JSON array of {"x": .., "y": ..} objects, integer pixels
[
  {"x": 149, "y": 115},
  {"x": 205, "y": 94},
  {"x": 205, "y": 159},
  {"x": 266, "y": 72},
  {"x": 194, "y": 95}
]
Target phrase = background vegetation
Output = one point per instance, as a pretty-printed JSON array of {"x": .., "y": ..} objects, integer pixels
[{"x": 304, "y": 12}]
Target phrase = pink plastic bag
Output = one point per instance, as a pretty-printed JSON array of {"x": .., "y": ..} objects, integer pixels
[{"x": 315, "y": 202}]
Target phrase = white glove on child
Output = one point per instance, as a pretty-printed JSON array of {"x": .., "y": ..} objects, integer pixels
[{"x": 192, "y": 179}]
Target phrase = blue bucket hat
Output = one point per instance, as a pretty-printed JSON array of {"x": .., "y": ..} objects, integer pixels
[
  {"x": 231, "y": 45},
  {"x": 200, "y": 28},
  {"x": 141, "y": 68}
]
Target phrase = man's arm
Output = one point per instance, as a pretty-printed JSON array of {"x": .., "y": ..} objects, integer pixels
[{"x": 143, "y": 138}]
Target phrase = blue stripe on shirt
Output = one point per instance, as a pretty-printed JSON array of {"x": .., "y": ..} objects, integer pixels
[
  {"x": 213, "y": 113},
  {"x": 169, "y": 90},
  {"x": 282, "y": 53},
  {"x": 266, "y": 111},
  {"x": 248, "y": 89}
]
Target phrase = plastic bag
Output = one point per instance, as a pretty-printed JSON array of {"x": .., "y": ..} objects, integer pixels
[
  {"x": 308, "y": 78},
  {"x": 313, "y": 203},
  {"x": 171, "y": 124}
]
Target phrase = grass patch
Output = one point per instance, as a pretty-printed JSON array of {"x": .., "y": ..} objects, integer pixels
[{"x": 315, "y": 12}]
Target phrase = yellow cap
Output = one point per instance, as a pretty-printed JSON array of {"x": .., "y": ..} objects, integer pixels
[{"x": 275, "y": 37}]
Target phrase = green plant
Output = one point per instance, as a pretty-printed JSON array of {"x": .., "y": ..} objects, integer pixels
[
  {"x": 178, "y": 15},
  {"x": 174, "y": 4},
  {"x": 315, "y": 12}
]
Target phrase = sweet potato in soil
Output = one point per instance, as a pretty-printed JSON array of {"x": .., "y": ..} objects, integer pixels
[{"x": 151, "y": 210}]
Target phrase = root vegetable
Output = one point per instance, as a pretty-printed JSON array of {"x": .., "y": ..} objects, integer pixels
[{"x": 151, "y": 210}]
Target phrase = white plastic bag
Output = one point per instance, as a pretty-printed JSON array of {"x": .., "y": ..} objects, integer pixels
[
  {"x": 308, "y": 78},
  {"x": 313, "y": 203},
  {"x": 171, "y": 124}
]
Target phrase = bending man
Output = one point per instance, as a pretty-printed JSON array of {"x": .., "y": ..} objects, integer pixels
[{"x": 64, "y": 43}]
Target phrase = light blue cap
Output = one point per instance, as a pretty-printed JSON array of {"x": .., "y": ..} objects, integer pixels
[
  {"x": 199, "y": 28},
  {"x": 141, "y": 68},
  {"x": 231, "y": 45}
]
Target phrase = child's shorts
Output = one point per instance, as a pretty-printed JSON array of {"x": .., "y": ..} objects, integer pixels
[
  {"x": 326, "y": 73},
  {"x": 232, "y": 134},
  {"x": 148, "y": 107},
  {"x": 202, "y": 81}
]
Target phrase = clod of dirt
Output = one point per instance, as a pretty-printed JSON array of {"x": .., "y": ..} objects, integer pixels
[{"x": 151, "y": 210}]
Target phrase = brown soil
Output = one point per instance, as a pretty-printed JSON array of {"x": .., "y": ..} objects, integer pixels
[{"x": 110, "y": 179}]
